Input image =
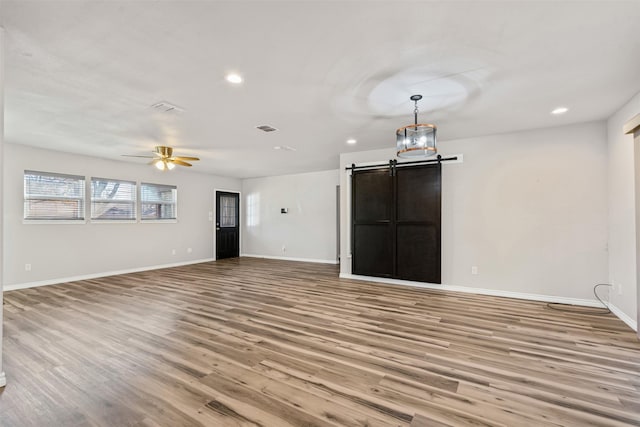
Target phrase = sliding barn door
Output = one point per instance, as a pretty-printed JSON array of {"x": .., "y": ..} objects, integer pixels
[
  {"x": 372, "y": 216},
  {"x": 418, "y": 195},
  {"x": 396, "y": 223}
]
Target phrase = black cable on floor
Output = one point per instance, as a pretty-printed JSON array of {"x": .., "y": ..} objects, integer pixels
[{"x": 578, "y": 309}]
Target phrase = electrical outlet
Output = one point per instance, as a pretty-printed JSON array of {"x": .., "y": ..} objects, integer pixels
[
  {"x": 173, "y": 251},
  {"x": 27, "y": 267},
  {"x": 284, "y": 248},
  {"x": 474, "y": 270},
  {"x": 189, "y": 250}
]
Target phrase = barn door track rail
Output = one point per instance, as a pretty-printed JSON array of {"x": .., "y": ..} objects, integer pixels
[{"x": 393, "y": 164}]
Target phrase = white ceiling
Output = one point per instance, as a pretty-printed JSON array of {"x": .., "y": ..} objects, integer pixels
[{"x": 81, "y": 75}]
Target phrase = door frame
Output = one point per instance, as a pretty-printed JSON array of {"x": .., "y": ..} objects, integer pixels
[{"x": 213, "y": 219}]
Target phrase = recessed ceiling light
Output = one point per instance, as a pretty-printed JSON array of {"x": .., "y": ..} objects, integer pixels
[
  {"x": 560, "y": 110},
  {"x": 234, "y": 78},
  {"x": 351, "y": 141}
]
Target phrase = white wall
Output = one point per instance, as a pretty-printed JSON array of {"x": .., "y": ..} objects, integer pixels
[
  {"x": 2, "y": 376},
  {"x": 529, "y": 209},
  {"x": 622, "y": 210},
  {"x": 58, "y": 251},
  {"x": 308, "y": 231}
]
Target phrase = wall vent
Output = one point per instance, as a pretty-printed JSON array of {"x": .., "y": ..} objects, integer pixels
[{"x": 266, "y": 128}]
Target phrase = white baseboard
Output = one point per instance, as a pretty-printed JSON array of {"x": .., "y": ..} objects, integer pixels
[
  {"x": 16, "y": 286},
  {"x": 624, "y": 317},
  {"x": 3, "y": 379},
  {"x": 320, "y": 261},
  {"x": 480, "y": 291}
]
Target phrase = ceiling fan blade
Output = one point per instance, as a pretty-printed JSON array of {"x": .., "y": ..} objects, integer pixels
[
  {"x": 144, "y": 157},
  {"x": 184, "y": 158},
  {"x": 179, "y": 162}
]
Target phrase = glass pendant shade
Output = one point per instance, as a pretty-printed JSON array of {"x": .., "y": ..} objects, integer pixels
[{"x": 418, "y": 140}]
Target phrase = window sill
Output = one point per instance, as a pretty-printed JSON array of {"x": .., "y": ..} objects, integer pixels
[
  {"x": 113, "y": 221},
  {"x": 54, "y": 221},
  {"x": 158, "y": 221}
]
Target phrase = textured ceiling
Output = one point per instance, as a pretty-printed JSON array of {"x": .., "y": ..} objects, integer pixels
[{"x": 81, "y": 75}]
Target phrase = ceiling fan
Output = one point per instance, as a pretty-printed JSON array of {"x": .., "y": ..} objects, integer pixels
[{"x": 164, "y": 159}]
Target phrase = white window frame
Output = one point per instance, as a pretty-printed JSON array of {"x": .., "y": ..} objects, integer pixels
[
  {"x": 158, "y": 220},
  {"x": 52, "y": 220},
  {"x": 133, "y": 202}
]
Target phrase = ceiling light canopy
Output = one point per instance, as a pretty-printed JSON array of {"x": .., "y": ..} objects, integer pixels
[
  {"x": 234, "y": 78},
  {"x": 559, "y": 110},
  {"x": 418, "y": 139},
  {"x": 351, "y": 141}
]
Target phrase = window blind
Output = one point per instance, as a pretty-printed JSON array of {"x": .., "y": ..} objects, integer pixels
[
  {"x": 158, "y": 201},
  {"x": 112, "y": 199},
  {"x": 53, "y": 196}
]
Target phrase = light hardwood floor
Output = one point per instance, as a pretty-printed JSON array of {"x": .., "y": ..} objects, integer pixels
[{"x": 273, "y": 343}]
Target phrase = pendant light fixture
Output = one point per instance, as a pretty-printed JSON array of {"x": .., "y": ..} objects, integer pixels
[{"x": 418, "y": 139}]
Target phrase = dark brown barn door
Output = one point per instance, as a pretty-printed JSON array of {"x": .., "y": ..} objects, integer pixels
[
  {"x": 396, "y": 223},
  {"x": 227, "y": 225},
  {"x": 372, "y": 231},
  {"x": 418, "y": 207}
]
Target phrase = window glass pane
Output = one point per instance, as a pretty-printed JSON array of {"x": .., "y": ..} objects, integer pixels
[
  {"x": 157, "y": 193},
  {"x": 53, "y": 209},
  {"x": 51, "y": 196},
  {"x": 158, "y": 201},
  {"x": 158, "y": 211},
  {"x": 228, "y": 211},
  {"x": 113, "y": 199}
]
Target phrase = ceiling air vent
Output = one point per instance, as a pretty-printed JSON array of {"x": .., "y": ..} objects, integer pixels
[
  {"x": 266, "y": 128},
  {"x": 284, "y": 148},
  {"x": 167, "y": 107}
]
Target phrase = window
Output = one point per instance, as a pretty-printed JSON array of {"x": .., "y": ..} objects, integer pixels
[
  {"x": 113, "y": 200},
  {"x": 53, "y": 196},
  {"x": 158, "y": 201},
  {"x": 253, "y": 210},
  {"x": 227, "y": 211}
]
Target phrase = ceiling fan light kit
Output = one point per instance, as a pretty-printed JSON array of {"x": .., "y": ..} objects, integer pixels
[
  {"x": 163, "y": 165},
  {"x": 165, "y": 160},
  {"x": 418, "y": 139}
]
